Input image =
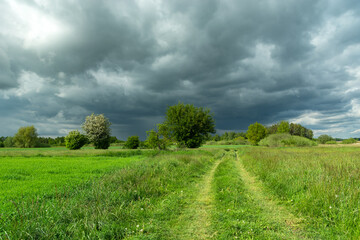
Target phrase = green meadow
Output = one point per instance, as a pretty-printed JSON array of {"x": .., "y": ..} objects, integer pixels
[{"x": 215, "y": 192}]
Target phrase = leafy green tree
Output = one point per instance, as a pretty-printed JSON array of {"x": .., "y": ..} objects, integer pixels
[
  {"x": 225, "y": 136},
  {"x": 324, "y": 138},
  {"x": 9, "y": 142},
  {"x": 217, "y": 138},
  {"x": 75, "y": 140},
  {"x": 26, "y": 137},
  {"x": 59, "y": 141},
  {"x": 97, "y": 128},
  {"x": 299, "y": 130},
  {"x": 154, "y": 140},
  {"x": 159, "y": 139},
  {"x": 256, "y": 132},
  {"x": 113, "y": 139},
  {"x": 309, "y": 134},
  {"x": 189, "y": 125},
  {"x": 132, "y": 142},
  {"x": 272, "y": 129},
  {"x": 283, "y": 127}
]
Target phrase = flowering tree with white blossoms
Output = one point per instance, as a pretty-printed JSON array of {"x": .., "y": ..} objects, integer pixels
[{"x": 97, "y": 128}]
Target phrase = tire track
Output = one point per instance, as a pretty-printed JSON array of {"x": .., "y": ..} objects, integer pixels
[
  {"x": 198, "y": 214},
  {"x": 271, "y": 209}
]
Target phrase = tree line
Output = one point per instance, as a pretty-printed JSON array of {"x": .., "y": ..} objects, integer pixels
[{"x": 184, "y": 126}]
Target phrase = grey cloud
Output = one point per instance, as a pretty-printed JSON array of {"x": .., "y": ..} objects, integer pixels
[{"x": 248, "y": 61}]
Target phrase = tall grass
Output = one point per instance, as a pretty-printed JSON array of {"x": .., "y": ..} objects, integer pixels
[
  {"x": 323, "y": 184},
  {"x": 237, "y": 215},
  {"x": 139, "y": 201}
]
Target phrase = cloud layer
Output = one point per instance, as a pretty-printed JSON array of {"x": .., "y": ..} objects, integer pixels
[{"x": 253, "y": 61}]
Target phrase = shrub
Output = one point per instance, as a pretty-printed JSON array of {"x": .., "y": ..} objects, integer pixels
[
  {"x": 2, "y": 144},
  {"x": 285, "y": 139},
  {"x": 324, "y": 138},
  {"x": 132, "y": 142},
  {"x": 349, "y": 141},
  {"x": 240, "y": 141},
  {"x": 75, "y": 140},
  {"x": 331, "y": 142}
]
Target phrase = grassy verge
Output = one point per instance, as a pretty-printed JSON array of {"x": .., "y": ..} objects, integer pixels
[
  {"x": 139, "y": 201},
  {"x": 320, "y": 183}
]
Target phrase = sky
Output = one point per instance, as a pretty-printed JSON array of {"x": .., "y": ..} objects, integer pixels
[{"x": 248, "y": 61}]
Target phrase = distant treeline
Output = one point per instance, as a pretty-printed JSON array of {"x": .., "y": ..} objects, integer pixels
[
  {"x": 293, "y": 128},
  {"x": 48, "y": 141}
]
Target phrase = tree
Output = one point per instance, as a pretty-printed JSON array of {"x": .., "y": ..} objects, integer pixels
[
  {"x": 272, "y": 129},
  {"x": 26, "y": 137},
  {"x": 216, "y": 138},
  {"x": 9, "y": 142},
  {"x": 256, "y": 132},
  {"x": 283, "y": 127},
  {"x": 324, "y": 138},
  {"x": 132, "y": 142},
  {"x": 159, "y": 139},
  {"x": 309, "y": 134},
  {"x": 189, "y": 125},
  {"x": 97, "y": 128},
  {"x": 75, "y": 140}
]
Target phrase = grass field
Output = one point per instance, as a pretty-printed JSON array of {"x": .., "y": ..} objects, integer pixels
[{"x": 227, "y": 192}]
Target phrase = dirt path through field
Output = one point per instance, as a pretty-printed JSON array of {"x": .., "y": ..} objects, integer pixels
[
  {"x": 198, "y": 214},
  {"x": 272, "y": 210}
]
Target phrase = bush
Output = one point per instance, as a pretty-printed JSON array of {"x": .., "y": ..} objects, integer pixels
[
  {"x": 349, "y": 141},
  {"x": 324, "y": 138},
  {"x": 75, "y": 140},
  {"x": 240, "y": 141},
  {"x": 331, "y": 142},
  {"x": 236, "y": 141},
  {"x": 132, "y": 142},
  {"x": 285, "y": 139},
  {"x": 2, "y": 144}
]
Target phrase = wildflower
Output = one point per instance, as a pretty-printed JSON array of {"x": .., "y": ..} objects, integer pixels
[
  {"x": 142, "y": 209},
  {"x": 330, "y": 207},
  {"x": 137, "y": 226},
  {"x": 141, "y": 230}
]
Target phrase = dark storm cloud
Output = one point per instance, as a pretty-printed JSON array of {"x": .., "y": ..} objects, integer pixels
[{"x": 248, "y": 61}]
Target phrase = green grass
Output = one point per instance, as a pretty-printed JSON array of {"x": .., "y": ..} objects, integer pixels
[
  {"x": 216, "y": 192},
  {"x": 29, "y": 176},
  {"x": 135, "y": 202},
  {"x": 322, "y": 184},
  {"x": 243, "y": 210},
  {"x": 224, "y": 146}
]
